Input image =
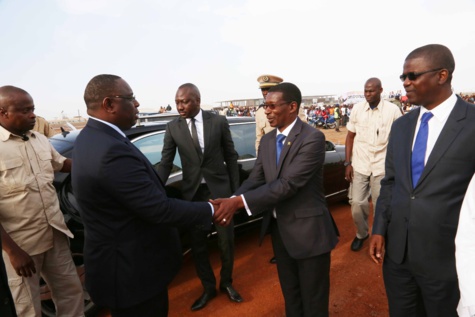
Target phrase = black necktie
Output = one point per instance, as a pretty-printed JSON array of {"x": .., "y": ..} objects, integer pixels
[{"x": 194, "y": 136}]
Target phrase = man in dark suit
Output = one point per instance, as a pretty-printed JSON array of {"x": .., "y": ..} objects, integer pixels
[
  {"x": 429, "y": 163},
  {"x": 210, "y": 170},
  {"x": 132, "y": 249},
  {"x": 286, "y": 184}
]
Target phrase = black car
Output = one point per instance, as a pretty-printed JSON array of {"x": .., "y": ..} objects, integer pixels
[{"x": 149, "y": 140}]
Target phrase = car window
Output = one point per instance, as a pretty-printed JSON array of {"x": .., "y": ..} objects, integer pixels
[
  {"x": 243, "y": 134},
  {"x": 151, "y": 146},
  {"x": 244, "y": 137}
]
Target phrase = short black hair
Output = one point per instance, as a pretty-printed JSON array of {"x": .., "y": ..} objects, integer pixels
[
  {"x": 438, "y": 56},
  {"x": 289, "y": 91},
  {"x": 98, "y": 88},
  {"x": 193, "y": 89}
]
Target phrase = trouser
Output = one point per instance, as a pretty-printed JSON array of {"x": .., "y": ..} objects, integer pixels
[
  {"x": 157, "y": 306},
  {"x": 57, "y": 268},
  {"x": 418, "y": 295},
  {"x": 305, "y": 283},
  {"x": 199, "y": 249},
  {"x": 337, "y": 124},
  {"x": 362, "y": 187}
]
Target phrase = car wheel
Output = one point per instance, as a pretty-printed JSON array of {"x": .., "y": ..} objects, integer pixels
[{"x": 47, "y": 305}]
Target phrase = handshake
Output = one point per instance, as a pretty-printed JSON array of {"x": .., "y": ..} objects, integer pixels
[{"x": 224, "y": 209}]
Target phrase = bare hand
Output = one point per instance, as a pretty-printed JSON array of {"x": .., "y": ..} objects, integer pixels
[
  {"x": 376, "y": 248},
  {"x": 22, "y": 263},
  {"x": 349, "y": 173},
  {"x": 225, "y": 212}
]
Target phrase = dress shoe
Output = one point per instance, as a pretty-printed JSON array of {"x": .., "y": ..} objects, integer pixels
[
  {"x": 273, "y": 260},
  {"x": 357, "y": 243},
  {"x": 203, "y": 300},
  {"x": 232, "y": 293}
]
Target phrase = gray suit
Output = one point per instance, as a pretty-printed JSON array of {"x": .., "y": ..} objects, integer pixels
[
  {"x": 303, "y": 234},
  {"x": 221, "y": 180},
  {"x": 420, "y": 224}
]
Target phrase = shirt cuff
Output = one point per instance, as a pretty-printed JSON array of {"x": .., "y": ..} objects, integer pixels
[
  {"x": 212, "y": 208},
  {"x": 246, "y": 206}
]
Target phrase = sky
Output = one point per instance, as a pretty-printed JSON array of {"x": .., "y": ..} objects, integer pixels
[{"x": 52, "y": 48}]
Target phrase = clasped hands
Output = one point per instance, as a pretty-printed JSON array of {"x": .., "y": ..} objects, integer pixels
[{"x": 224, "y": 209}]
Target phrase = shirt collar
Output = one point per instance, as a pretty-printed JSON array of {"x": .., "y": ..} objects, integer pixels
[
  {"x": 113, "y": 126},
  {"x": 198, "y": 117},
  {"x": 287, "y": 130},
  {"x": 379, "y": 106},
  {"x": 5, "y": 134},
  {"x": 443, "y": 110}
]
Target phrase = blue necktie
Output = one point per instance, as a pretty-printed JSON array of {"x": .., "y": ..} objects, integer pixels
[
  {"x": 279, "y": 145},
  {"x": 419, "y": 151}
]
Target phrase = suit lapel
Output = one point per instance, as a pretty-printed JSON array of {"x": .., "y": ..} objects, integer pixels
[
  {"x": 289, "y": 140},
  {"x": 272, "y": 151},
  {"x": 406, "y": 141},
  {"x": 449, "y": 132},
  {"x": 206, "y": 129}
]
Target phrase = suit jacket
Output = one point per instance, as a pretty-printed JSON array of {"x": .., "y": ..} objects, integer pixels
[
  {"x": 423, "y": 221},
  {"x": 132, "y": 249},
  {"x": 294, "y": 188},
  {"x": 222, "y": 179}
]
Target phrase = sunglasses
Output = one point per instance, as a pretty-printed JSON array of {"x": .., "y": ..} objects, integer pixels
[
  {"x": 413, "y": 76},
  {"x": 272, "y": 106}
]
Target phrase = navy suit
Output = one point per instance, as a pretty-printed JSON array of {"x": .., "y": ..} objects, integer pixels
[
  {"x": 420, "y": 223},
  {"x": 304, "y": 233},
  {"x": 132, "y": 249}
]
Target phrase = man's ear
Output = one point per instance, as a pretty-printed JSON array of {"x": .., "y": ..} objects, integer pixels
[
  {"x": 107, "y": 105},
  {"x": 293, "y": 107}
]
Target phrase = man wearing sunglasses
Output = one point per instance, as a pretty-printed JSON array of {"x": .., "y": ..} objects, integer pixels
[
  {"x": 365, "y": 149},
  {"x": 429, "y": 164}
]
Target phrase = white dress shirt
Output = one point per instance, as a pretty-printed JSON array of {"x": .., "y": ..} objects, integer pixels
[
  {"x": 436, "y": 123},
  {"x": 199, "y": 129}
]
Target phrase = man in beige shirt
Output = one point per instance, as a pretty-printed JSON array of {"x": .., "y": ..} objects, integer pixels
[
  {"x": 34, "y": 234},
  {"x": 42, "y": 126},
  {"x": 366, "y": 143}
]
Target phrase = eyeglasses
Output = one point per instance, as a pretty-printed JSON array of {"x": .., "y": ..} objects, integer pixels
[
  {"x": 130, "y": 98},
  {"x": 413, "y": 76},
  {"x": 272, "y": 107}
]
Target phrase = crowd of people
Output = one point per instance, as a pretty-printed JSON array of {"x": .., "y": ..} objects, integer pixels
[{"x": 416, "y": 168}]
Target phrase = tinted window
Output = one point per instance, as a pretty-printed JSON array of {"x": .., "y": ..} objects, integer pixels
[
  {"x": 151, "y": 146},
  {"x": 244, "y": 137}
]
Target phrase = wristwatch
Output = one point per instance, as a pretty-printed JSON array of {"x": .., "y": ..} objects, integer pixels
[{"x": 345, "y": 164}]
